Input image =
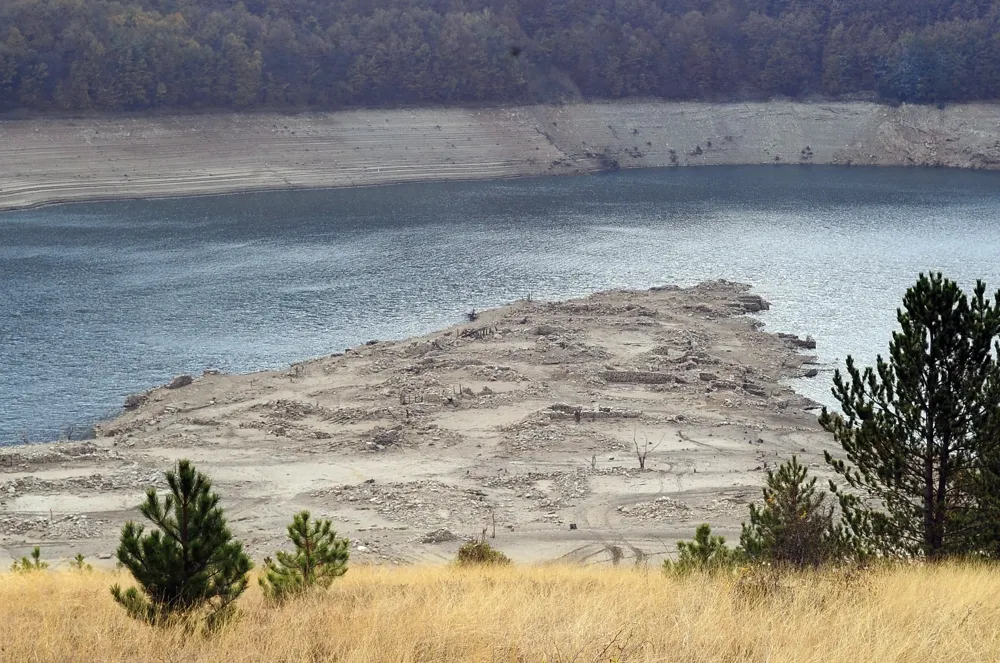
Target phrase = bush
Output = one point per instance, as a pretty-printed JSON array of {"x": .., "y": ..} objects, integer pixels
[
  {"x": 190, "y": 565},
  {"x": 704, "y": 553},
  {"x": 795, "y": 526},
  {"x": 480, "y": 553},
  {"x": 79, "y": 563},
  {"x": 26, "y": 565},
  {"x": 319, "y": 558}
]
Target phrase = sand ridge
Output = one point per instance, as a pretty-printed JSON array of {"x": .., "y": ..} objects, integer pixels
[{"x": 522, "y": 422}]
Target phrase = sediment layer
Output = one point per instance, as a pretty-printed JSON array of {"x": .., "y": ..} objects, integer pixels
[{"x": 61, "y": 160}]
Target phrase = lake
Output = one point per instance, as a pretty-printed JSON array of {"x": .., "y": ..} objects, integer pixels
[{"x": 100, "y": 300}]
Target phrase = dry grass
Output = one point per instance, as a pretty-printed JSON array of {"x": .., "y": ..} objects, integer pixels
[{"x": 919, "y": 614}]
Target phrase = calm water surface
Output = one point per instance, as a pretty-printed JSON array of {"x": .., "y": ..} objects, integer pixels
[{"x": 101, "y": 300}]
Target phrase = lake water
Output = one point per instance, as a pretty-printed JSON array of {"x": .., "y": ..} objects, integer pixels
[{"x": 101, "y": 300}]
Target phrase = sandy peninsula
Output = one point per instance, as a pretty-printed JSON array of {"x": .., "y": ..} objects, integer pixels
[
  {"x": 522, "y": 423},
  {"x": 53, "y": 160}
]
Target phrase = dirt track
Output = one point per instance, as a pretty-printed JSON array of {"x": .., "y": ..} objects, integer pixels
[
  {"x": 59, "y": 160},
  {"x": 461, "y": 430}
]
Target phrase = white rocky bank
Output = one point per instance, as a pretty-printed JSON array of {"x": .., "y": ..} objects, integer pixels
[{"x": 58, "y": 160}]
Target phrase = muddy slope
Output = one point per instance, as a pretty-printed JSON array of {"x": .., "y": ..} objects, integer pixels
[{"x": 59, "y": 160}]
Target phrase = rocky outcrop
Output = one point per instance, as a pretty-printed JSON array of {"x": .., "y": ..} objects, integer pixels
[{"x": 180, "y": 381}]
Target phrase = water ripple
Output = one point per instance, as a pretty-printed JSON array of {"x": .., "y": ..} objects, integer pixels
[{"x": 100, "y": 300}]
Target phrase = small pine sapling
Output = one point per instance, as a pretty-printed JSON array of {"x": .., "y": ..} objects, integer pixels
[
  {"x": 26, "y": 565},
  {"x": 319, "y": 558},
  {"x": 795, "y": 525},
  {"x": 79, "y": 563},
  {"x": 705, "y": 553},
  {"x": 190, "y": 565}
]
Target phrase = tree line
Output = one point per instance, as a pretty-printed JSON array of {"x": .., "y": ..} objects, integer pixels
[{"x": 117, "y": 55}]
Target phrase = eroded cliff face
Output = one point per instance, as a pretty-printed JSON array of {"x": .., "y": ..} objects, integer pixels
[
  {"x": 690, "y": 134},
  {"x": 60, "y": 160}
]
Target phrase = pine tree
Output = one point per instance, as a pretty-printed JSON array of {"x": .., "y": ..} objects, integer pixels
[
  {"x": 319, "y": 558},
  {"x": 704, "y": 553},
  {"x": 79, "y": 563},
  {"x": 26, "y": 565},
  {"x": 920, "y": 431},
  {"x": 795, "y": 526},
  {"x": 190, "y": 565}
]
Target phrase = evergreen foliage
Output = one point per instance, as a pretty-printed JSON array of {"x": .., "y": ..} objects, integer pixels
[
  {"x": 921, "y": 431},
  {"x": 80, "y": 55},
  {"x": 25, "y": 565},
  {"x": 319, "y": 558},
  {"x": 190, "y": 565},
  {"x": 795, "y": 527},
  {"x": 79, "y": 563},
  {"x": 704, "y": 553},
  {"x": 480, "y": 553}
]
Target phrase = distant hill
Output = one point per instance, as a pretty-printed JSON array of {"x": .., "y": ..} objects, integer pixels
[{"x": 77, "y": 55}]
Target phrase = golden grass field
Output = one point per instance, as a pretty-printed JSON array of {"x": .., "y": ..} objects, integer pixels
[{"x": 919, "y": 614}]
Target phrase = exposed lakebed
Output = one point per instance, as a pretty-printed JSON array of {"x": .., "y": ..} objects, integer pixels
[{"x": 103, "y": 299}]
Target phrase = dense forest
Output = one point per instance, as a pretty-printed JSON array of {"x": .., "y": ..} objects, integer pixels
[{"x": 75, "y": 55}]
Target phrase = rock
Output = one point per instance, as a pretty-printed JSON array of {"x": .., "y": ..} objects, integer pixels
[
  {"x": 808, "y": 342},
  {"x": 572, "y": 525},
  {"x": 180, "y": 381},
  {"x": 637, "y": 377},
  {"x": 386, "y": 437},
  {"x": 133, "y": 401},
  {"x": 753, "y": 303},
  {"x": 708, "y": 377},
  {"x": 545, "y": 330},
  {"x": 811, "y": 373},
  {"x": 439, "y": 536}
]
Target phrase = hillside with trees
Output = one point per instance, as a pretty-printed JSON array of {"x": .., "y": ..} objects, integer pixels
[{"x": 79, "y": 55}]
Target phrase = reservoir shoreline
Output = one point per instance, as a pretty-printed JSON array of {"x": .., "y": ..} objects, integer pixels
[
  {"x": 525, "y": 417},
  {"x": 59, "y": 160},
  {"x": 104, "y": 300}
]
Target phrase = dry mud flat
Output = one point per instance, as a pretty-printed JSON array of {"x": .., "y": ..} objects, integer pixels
[
  {"x": 60, "y": 160},
  {"x": 522, "y": 422}
]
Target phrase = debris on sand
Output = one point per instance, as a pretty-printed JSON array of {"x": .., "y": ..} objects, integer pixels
[
  {"x": 441, "y": 535},
  {"x": 520, "y": 422}
]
